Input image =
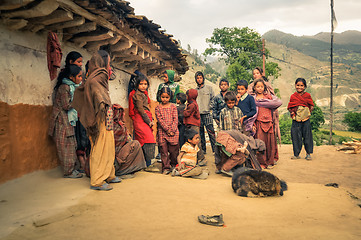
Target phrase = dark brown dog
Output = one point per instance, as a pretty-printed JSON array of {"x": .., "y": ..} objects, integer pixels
[{"x": 253, "y": 183}]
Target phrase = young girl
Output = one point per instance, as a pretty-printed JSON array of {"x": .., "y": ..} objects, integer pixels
[
  {"x": 300, "y": 107},
  {"x": 168, "y": 134},
  {"x": 142, "y": 117},
  {"x": 63, "y": 120},
  {"x": 264, "y": 126}
]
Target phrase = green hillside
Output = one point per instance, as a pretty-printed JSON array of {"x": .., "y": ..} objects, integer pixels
[{"x": 347, "y": 46}]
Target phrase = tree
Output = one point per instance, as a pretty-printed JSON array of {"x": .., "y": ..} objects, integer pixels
[
  {"x": 353, "y": 121},
  {"x": 241, "y": 50},
  {"x": 316, "y": 118}
]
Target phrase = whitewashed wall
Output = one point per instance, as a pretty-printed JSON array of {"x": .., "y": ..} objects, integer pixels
[{"x": 24, "y": 75}]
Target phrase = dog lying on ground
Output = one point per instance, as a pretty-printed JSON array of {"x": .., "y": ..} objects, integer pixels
[{"x": 247, "y": 182}]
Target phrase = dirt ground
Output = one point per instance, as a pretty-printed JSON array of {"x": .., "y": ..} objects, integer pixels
[{"x": 43, "y": 205}]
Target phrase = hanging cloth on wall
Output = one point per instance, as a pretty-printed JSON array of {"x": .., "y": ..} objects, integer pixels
[{"x": 54, "y": 54}]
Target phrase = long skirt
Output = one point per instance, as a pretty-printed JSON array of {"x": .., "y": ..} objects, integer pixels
[
  {"x": 102, "y": 156},
  {"x": 129, "y": 159},
  {"x": 271, "y": 154},
  {"x": 65, "y": 146},
  {"x": 142, "y": 132}
]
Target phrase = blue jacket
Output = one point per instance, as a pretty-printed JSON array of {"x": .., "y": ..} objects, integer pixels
[{"x": 248, "y": 106}]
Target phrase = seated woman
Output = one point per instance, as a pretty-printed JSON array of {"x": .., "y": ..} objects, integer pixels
[
  {"x": 129, "y": 157},
  {"x": 233, "y": 149}
]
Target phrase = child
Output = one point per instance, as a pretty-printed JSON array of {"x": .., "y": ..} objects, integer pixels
[
  {"x": 205, "y": 96},
  {"x": 218, "y": 102},
  {"x": 167, "y": 134},
  {"x": 142, "y": 117},
  {"x": 168, "y": 77},
  {"x": 231, "y": 116},
  {"x": 187, "y": 158},
  {"x": 192, "y": 118},
  {"x": 248, "y": 106},
  {"x": 181, "y": 98},
  {"x": 300, "y": 107},
  {"x": 63, "y": 119},
  {"x": 264, "y": 124}
]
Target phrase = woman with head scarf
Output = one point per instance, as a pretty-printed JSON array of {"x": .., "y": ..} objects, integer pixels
[
  {"x": 129, "y": 157},
  {"x": 92, "y": 101}
]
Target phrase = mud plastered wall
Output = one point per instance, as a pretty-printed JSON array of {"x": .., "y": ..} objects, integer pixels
[{"x": 26, "y": 102}]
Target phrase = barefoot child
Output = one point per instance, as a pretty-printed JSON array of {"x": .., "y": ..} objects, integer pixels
[
  {"x": 300, "y": 107},
  {"x": 167, "y": 130},
  {"x": 248, "y": 106},
  {"x": 187, "y": 158},
  {"x": 142, "y": 117},
  {"x": 264, "y": 126},
  {"x": 63, "y": 119}
]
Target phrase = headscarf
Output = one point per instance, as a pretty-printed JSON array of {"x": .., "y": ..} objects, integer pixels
[
  {"x": 297, "y": 99},
  {"x": 170, "y": 74},
  {"x": 192, "y": 95},
  {"x": 88, "y": 98}
]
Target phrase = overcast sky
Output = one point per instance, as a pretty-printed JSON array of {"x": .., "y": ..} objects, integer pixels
[{"x": 192, "y": 21}]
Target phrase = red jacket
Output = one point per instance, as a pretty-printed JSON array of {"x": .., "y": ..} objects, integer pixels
[{"x": 191, "y": 113}]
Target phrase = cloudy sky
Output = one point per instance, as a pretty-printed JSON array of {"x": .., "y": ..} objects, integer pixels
[{"x": 192, "y": 21}]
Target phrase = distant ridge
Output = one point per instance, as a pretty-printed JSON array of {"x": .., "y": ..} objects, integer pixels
[
  {"x": 347, "y": 37},
  {"x": 347, "y": 45}
]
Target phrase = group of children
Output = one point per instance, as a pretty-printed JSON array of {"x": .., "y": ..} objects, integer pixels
[{"x": 180, "y": 129}]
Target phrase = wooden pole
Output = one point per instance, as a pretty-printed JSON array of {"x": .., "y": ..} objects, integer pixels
[
  {"x": 264, "y": 57},
  {"x": 331, "y": 82}
]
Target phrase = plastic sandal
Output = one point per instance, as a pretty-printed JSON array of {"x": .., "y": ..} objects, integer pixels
[
  {"x": 229, "y": 173},
  {"x": 216, "y": 220},
  {"x": 104, "y": 187},
  {"x": 74, "y": 174},
  {"x": 115, "y": 180}
]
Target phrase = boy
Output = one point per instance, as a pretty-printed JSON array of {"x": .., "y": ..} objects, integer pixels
[
  {"x": 231, "y": 117},
  {"x": 187, "y": 158},
  {"x": 181, "y": 98},
  {"x": 218, "y": 102},
  {"x": 248, "y": 106},
  {"x": 205, "y": 96}
]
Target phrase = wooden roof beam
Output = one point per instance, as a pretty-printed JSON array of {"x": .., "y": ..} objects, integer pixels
[
  {"x": 42, "y": 9},
  {"x": 95, "y": 46},
  {"x": 15, "y": 24},
  {"x": 55, "y": 17},
  {"x": 14, "y": 4},
  {"x": 77, "y": 21},
  {"x": 123, "y": 44},
  {"x": 86, "y": 27},
  {"x": 93, "y": 36}
]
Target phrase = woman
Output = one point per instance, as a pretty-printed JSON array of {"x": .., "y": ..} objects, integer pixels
[
  {"x": 92, "y": 101},
  {"x": 258, "y": 74},
  {"x": 233, "y": 149},
  {"x": 129, "y": 157}
]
